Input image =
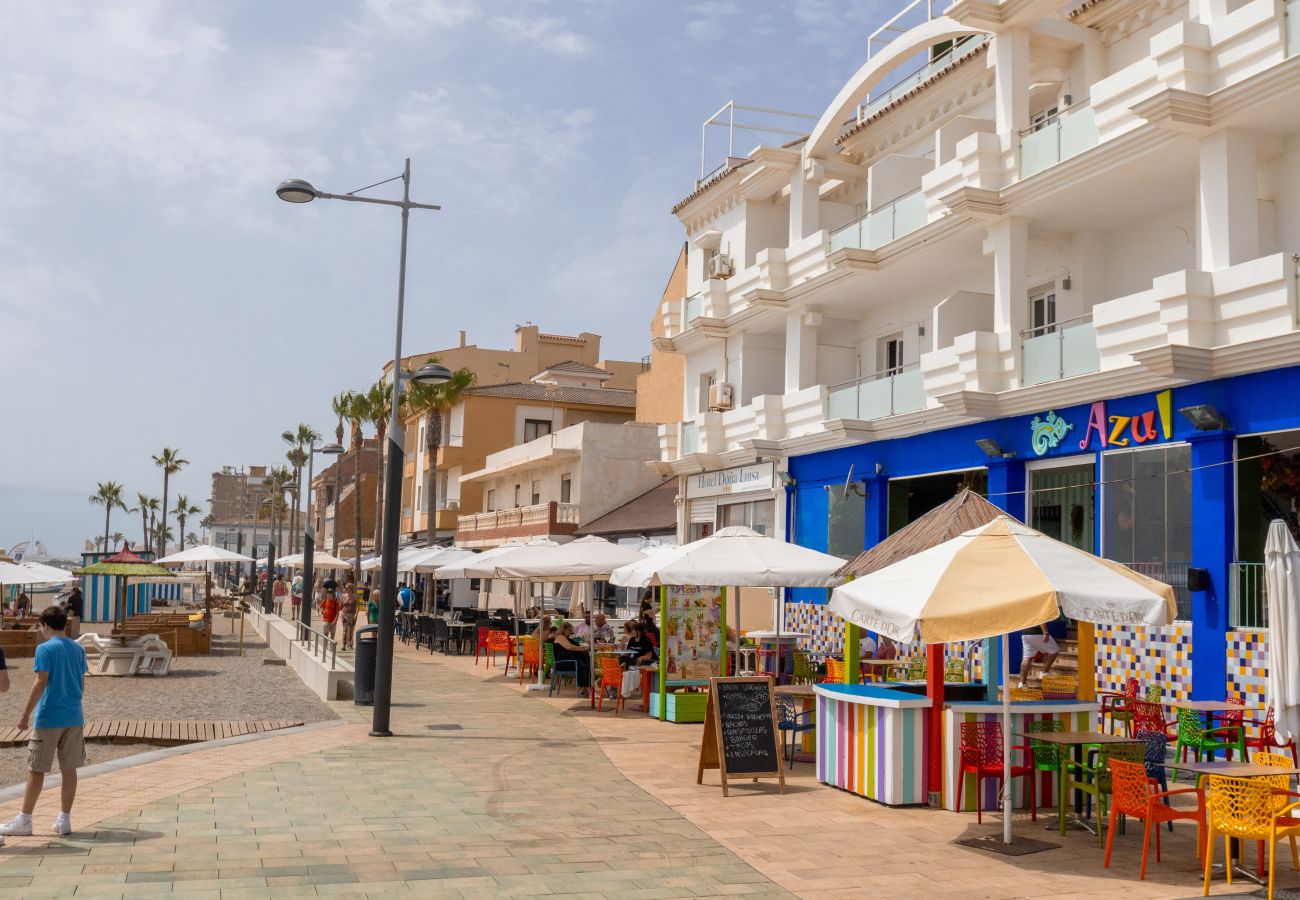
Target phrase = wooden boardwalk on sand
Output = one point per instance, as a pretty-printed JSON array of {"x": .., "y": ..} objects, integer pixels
[{"x": 176, "y": 732}]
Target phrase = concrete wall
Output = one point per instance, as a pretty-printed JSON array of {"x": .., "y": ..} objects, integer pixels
[
  {"x": 316, "y": 674},
  {"x": 659, "y": 391}
]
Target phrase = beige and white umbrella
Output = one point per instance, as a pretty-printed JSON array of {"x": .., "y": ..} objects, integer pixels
[
  {"x": 318, "y": 561},
  {"x": 993, "y": 580}
]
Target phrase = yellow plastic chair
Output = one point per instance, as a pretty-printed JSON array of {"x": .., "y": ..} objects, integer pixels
[
  {"x": 1059, "y": 687},
  {"x": 954, "y": 671},
  {"x": 1247, "y": 809},
  {"x": 1019, "y": 693},
  {"x": 916, "y": 668},
  {"x": 834, "y": 671},
  {"x": 803, "y": 671}
]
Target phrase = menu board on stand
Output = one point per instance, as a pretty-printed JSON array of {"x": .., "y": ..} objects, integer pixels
[{"x": 740, "y": 731}]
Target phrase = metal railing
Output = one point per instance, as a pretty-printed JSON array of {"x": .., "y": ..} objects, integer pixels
[
  {"x": 320, "y": 643},
  {"x": 882, "y": 224},
  {"x": 1173, "y": 574},
  {"x": 1247, "y": 596},
  {"x": 1059, "y": 350},
  {"x": 963, "y": 48},
  {"x": 898, "y": 26}
]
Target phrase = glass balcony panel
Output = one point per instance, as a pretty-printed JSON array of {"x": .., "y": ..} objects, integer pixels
[
  {"x": 690, "y": 438},
  {"x": 842, "y": 403},
  {"x": 848, "y": 236},
  {"x": 878, "y": 228},
  {"x": 1079, "y": 353},
  {"x": 1041, "y": 357},
  {"x": 909, "y": 213},
  {"x": 1040, "y": 149},
  {"x": 692, "y": 309},
  {"x": 875, "y": 399},
  {"x": 1293, "y": 28},
  {"x": 1078, "y": 131},
  {"x": 909, "y": 391}
]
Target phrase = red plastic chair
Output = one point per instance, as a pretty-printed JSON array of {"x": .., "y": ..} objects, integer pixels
[
  {"x": 482, "y": 642},
  {"x": 1230, "y": 722},
  {"x": 1115, "y": 705},
  {"x": 1151, "y": 717},
  {"x": 499, "y": 642},
  {"x": 1267, "y": 739},
  {"x": 1134, "y": 794},
  {"x": 981, "y": 756}
]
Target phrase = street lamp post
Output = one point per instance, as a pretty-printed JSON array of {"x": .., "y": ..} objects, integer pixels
[
  {"x": 309, "y": 534},
  {"x": 295, "y": 190}
]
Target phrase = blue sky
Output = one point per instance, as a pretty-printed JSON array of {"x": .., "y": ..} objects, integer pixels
[{"x": 154, "y": 292}]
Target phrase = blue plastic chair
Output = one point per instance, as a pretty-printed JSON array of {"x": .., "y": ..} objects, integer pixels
[
  {"x": 1154, "y": 760},
  {"x": 788, "y": 720},
  {"x": 560, "y": 668}
]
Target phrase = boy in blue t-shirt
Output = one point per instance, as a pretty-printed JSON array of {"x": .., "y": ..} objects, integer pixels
[{"x": 56, "y": 699}]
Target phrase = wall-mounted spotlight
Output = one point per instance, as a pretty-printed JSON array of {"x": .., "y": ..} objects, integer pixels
[
  {"x": 1204, "y": 417},
  {"x": 993, "y": 450}
]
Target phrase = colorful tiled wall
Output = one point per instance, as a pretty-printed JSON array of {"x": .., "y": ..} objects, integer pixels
[
  {"x": 1248, "y": 667},
  {"x": 1160, "y": 653}
]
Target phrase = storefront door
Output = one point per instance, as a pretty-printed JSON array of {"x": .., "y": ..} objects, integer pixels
[{"x": 1062, "y": 503}]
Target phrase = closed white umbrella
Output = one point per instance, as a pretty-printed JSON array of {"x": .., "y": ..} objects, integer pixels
[
  {"x": 995, "y": 579},
  {"x": 1282, "y": 584}
]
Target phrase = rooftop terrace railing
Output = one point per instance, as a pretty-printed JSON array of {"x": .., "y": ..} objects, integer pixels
[{"x": 961, "y": 48}]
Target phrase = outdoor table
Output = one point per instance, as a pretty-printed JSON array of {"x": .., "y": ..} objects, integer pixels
[
  {"x": 1208, "y": 708},
  {"x": 462, "y": 632},
  {"x": 1232, "y": 770},
  {"x": 770, "y": 643},
  {"x": 883, "y": 665},
  {"x": 1077, "y": 741}
]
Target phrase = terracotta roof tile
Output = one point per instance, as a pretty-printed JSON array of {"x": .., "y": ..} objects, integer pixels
[
  {"x": 705, "y": 186},
  {"x": 588, "y": 396},
  {"x": 575, "y": 366},
  {"x": 653, "y": 511}
]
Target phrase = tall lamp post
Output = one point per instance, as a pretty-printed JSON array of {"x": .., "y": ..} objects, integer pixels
[
  {"x": 296, "y": 190},
  {"x": 309, "y": 533}
]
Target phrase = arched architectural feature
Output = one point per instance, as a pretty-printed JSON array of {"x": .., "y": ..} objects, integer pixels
[{"x": 922, "y": 37}]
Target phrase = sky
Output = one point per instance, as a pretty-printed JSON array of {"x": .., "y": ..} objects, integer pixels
[{"x": 155, "y": 293}]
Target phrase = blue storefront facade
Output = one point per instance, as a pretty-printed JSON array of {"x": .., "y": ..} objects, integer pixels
[{"x": 1131, "y": 478}]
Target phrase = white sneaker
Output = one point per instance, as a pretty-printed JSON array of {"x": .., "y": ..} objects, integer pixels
[
  {"x": 19, "y": 826},
  {"x": 62, "y": 825}
]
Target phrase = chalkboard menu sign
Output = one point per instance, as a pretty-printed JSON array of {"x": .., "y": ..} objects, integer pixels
[{"x": 740, "y": 731}]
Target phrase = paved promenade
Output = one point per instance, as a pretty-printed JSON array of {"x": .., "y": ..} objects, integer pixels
[{"x": 488, "y": 792}]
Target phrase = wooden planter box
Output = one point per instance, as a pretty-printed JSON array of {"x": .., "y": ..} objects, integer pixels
[{"x": 682, "y": 708}]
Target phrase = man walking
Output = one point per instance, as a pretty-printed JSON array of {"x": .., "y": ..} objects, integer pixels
[{"x": 56, "y": 698}]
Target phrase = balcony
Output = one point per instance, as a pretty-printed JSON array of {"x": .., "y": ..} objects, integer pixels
[
  {"x": 1060, "y": 350},
  {"x": 883, "y": 224},
  {"x": 692, "y": 306},
  {"x": 1060, "y": 137},
  {"x": 551, "y": 519},
  {"x": 690, "y": 438},
  {"x": 963, "y": 48},
  {"x": 877, "y": 396}
]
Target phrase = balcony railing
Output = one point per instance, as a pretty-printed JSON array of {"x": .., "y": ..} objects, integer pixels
[
  {"x": 690, "y": 437},
  {"x": 1064, "y": 135},
  {"x": 541, "y": 517},
  {"x": 692, "y": 306},
  {"x": 1173, "y": 574},
  {"x": 1060, "y": 350},
  {"x": 886, "y": 393},
  {"x": 963, "y": 48},
  {"x": 1247, "y": 600},
  {"x": 883, "y": 224}
]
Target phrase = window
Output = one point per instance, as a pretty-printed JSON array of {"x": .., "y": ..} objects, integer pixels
[
  {"x": 1042, "y": 311},
  {"x": 707, "y": 380},
  {"x": 536, "y": 428},
  {"x": 419, "y": 497},
  {"x": 536, "y": 493},
  {"x": 759, "y": 515},
  {"x": 1147, "y": 514},
  {"x": 1041, "y": 120},
  {"x": 518, "y": 487},
  {"x": 566, "y": 488},
  {"x": 491, "y": 501},
  {"x": 890, "y": 354}
]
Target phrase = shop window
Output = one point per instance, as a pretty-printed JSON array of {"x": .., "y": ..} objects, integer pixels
[
  {"x": 846, "y": 521},
  {"x": 759, "y": 515},
  {"x": 1268, "y": 488},
  {"x": 536, "y": 428},
  {"x": 911, "y": 498},
  {"x": 566, "y": 488},
  {"x": 697, "y": 530},
  {"x": 1062, "y": 505},
  {"x": 1147, "y": 514}
]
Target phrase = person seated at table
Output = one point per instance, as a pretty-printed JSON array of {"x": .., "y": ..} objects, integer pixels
[
  {"x": 23, "y": 605},
  {"x": 647, "y": 619},
  {"x": 567, "y": 648},
  {"x": 583, "y": 628},
  {"x": 866, "y": 646},
  {"x": 601, "y": 633},
  {"x": 1038, "y": 645},
  {"x": 533, "y": 612},
  {"x": 886, "y": 649},
  {"x": 643, "y": 652}
]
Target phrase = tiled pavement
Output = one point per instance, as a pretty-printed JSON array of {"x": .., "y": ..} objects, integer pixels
[{"x": 489, "y": 792}]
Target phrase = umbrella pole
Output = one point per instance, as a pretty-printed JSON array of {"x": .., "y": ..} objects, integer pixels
[
  {"x": 724, "y": 634},
  {"x": 1006, "y": 752}
]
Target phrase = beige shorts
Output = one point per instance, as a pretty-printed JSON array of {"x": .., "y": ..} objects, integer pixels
[{"x": 46, "y": 742}]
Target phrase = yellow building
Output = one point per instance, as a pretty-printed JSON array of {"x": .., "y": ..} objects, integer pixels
[{"x": 659, "y": 389}]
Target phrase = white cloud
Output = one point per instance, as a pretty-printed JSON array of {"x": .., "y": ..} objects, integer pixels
[
  {"x": 711, "y": 20},
  {"x": 545, "y": 32}
]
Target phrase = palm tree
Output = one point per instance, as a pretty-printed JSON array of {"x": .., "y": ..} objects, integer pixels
[
  {"x": 170, "y": 462},
  {"x": 434, "y": 402},
  {"x": 300, "y": 439},
  {"x": 116, "y": 539},
  {"x": 146, "y": 503},
  {"x": 193, "y": 538},
  {"x": 379, "y": 406},
  {"x": 354, "y": 410},
  {"x": 108, "y": 494},
  {"x": 279, "y": 481},
  {"x": 340, "y": 407},
  {"x": 162, "y": 534},
  {"x": 183, "y": 511},
  {"x": 298, "y": 461}
]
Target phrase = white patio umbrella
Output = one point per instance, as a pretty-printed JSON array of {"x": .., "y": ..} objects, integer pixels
[
  {"x": 33, "y": 573},
  {"x": 734, "y": 557},
  {"x": 203, "y": 553},
  {"x": 995, "y": 579},
  {"x": 1282, "y": 584},
  {"x": 430, "y": 558},
  {"x": 375, "y": 562},
  {"x": 459, "y": 568}
]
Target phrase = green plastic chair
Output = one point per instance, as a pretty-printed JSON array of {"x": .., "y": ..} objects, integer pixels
[
  {"x": 1155, "y": 693},
  {"x": 803, "y": 671},
  {"x": 1194, "y": 736},
  {"x": 1047, "y": 757},
  {"x": 1092, "y": 778},
  {"x": 548, "y": 663}
]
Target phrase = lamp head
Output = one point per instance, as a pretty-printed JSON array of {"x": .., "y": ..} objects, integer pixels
[
  {"x": 296, "y": 190},
  {"x": 992, "y": 449},
  {"x": 1204, "y": 417},
  {"x": 332, "y": 449},
  {"x": 429, "y": 373}
]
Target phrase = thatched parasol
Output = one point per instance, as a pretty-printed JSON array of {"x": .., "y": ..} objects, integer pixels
[
  {"x": 962, "y": 513},
  {"x": 124, "y": 565}
]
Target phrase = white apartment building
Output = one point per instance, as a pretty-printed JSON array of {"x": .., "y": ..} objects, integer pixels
[{"x": 1011, "y": 207}]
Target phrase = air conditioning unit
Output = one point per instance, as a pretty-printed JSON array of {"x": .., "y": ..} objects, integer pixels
[
  {"x": 721, "y": 396},
  {"x": 720, "y": 266},
  {"x": 451, "y": 504}
]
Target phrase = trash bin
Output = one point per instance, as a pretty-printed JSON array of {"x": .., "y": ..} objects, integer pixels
[{"x": 363, "y": 682}]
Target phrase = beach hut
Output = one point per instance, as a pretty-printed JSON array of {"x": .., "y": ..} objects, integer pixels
[{"x": 109, "y": 594}]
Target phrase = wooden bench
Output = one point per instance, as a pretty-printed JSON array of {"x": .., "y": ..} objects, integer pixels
[
  {"x": 180, "y": 641},
  {"x": 159, "y": 732},
  {"x": 18, "y": 644}
]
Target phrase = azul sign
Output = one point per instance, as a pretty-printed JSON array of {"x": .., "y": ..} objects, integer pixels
[
  {"x": 1110, "y": 430},
  {"x": 731, "y": 481}
]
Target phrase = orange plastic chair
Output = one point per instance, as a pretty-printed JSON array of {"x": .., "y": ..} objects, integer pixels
[
  {"x": 1133, "y": 794},
  {"x": 531, "y": 658},
  {"x": 611, "y": 677},
  {"x": 1248, "y": 809},
  {"x": 834, "y": 671},
  {"x": 499, "y": 641}
]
